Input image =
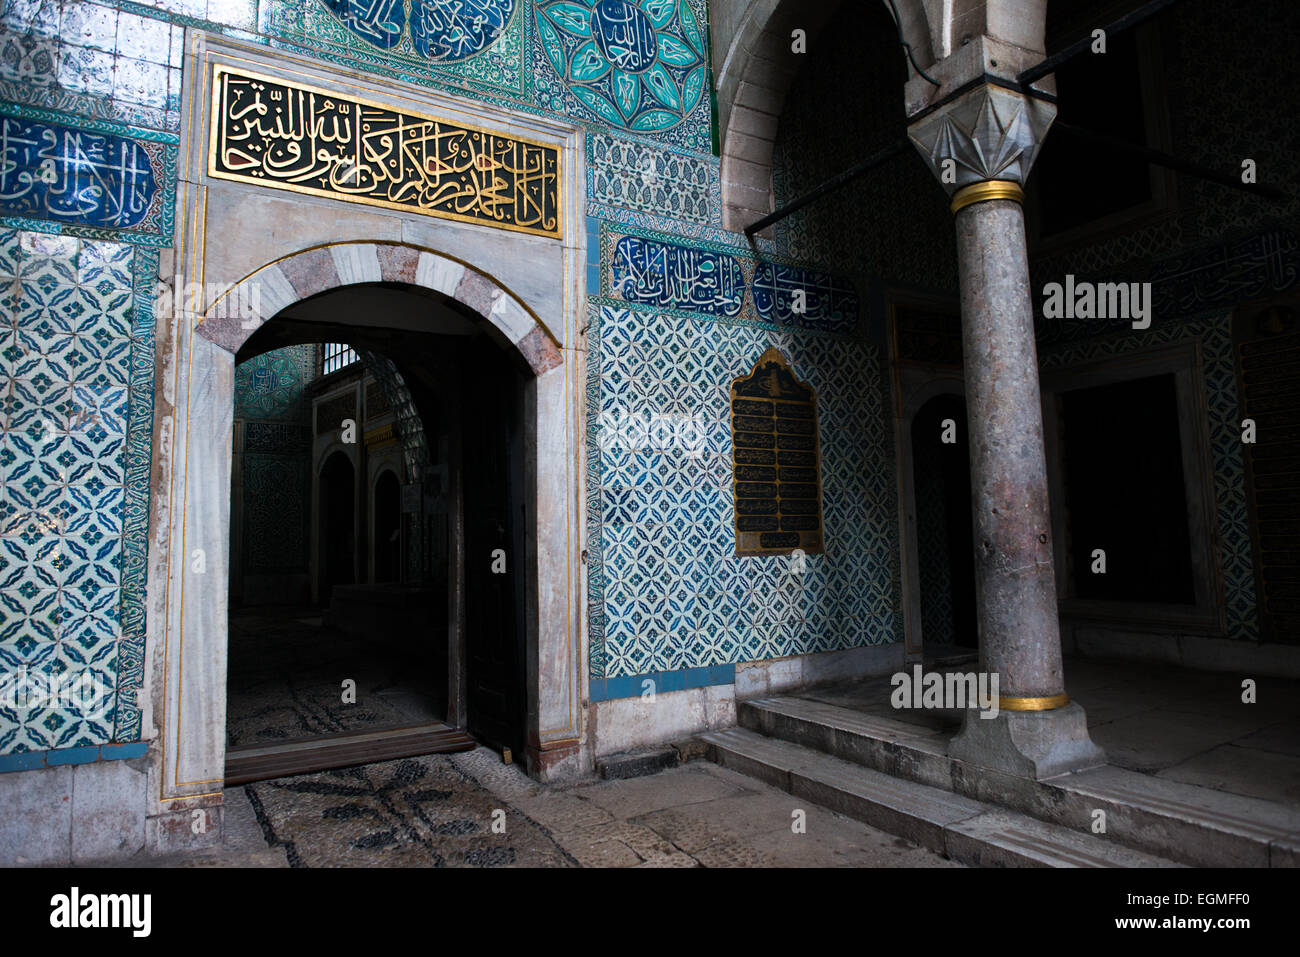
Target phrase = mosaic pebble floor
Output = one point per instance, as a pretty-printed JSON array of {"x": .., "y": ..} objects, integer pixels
[{"x": 416, "y": 812}]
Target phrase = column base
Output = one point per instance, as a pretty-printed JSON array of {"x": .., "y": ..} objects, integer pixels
[{"x": 1029, "y": 744}]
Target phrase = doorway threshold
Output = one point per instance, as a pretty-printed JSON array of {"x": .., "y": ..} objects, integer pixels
[
  {"x": 948, "y": 656},
  {"x": 249, "y": 763}
]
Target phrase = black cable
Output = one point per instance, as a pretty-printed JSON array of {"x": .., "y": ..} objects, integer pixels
[{"x": 898, "y": 24}]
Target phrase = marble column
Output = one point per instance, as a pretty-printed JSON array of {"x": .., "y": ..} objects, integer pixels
[{"x": 981, "y": 146}]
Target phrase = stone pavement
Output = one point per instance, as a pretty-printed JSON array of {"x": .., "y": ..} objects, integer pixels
[
  {"x": 1172, "y": 723},
  {"x": 697, "y": 815}
]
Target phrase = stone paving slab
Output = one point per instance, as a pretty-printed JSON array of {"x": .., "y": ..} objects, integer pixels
[
  {"x": 1248, "y": 771},
  {"x": 1282, "y": 738},
  {"x": 697, "y": 815},
  {"x": 635, "y": 796},
  {"x": 709, "y": 816},
  {"x": 1155, "y": 740}
]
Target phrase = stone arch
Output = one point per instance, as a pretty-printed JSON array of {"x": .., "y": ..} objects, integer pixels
[
  {"x": 190, "y": 505},
  {"x": 951, "y": 40},
  {"x": 238, "y": 312},
  {"x": 755, "y": 77}
]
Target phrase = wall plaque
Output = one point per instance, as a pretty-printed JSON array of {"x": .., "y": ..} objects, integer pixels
[
  {"x": 308, "y": 140},
  {"x": 776, "y": 460}
]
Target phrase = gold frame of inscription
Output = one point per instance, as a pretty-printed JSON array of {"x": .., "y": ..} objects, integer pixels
[
  {"x": 748, "y": 543},
  {"x": 218, "y": 87}
]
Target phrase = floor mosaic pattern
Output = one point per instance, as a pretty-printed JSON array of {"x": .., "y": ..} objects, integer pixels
[
  {"x": 416, "y": 812},
  {"x": 286, "y": 672}
]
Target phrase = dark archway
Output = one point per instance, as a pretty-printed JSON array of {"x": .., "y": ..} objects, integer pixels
[
  {"x": 387, "y": 528},
  {"x": 945, "y": 541},
  {"x": 411, "y": 603},
  {"x": 336, "y": 519}
]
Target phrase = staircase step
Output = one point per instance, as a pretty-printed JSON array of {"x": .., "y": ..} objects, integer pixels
[
  {"x": 1008, "y": 839},
  {"x": 960, "y": 828},
  {"x": 883, "y": 744},
  {"x": 1209, "y": 827},
  {"x": 1170, "y": 819}
]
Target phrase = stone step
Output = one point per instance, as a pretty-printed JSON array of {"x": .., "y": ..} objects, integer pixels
[
  {"x": 961, "y": 829},
  {"x": 909, "y": 751},
  {"x": 636, "y": 764},
  {"x": 1199, "y": 825},
  {"x": 1170, "y": 819}
]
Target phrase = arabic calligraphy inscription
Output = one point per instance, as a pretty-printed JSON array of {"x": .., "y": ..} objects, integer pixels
[
  {"x": 677, "y": 277},
  {"x": 637, "y": 65},
  {"x": 68, "y": 175},
  {"x": 828, "y": 303},
  {"x": 307, "y": 140},
  {"x": 440, "y": 30}
]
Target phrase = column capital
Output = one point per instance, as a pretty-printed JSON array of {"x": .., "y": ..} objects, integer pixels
[{"x": 987, "y": 133}]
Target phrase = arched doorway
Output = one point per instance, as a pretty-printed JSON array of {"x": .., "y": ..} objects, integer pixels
[
  {"x": 430, "y": 638},
  {"x": 944, "y": 536},
  {"x": 194, "y": 471}
]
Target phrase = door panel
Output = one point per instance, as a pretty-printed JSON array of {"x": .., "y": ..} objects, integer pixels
[{"x": 494, "y": 609}]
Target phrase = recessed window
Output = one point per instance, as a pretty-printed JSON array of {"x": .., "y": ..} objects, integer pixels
[
  {"x": 336, "y": 355},
  {"x": 1125, "y": 492},
  {"x": 1084, "y": 180}
]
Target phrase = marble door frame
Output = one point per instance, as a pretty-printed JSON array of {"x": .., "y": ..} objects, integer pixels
[{"x": 256, "y": 245}]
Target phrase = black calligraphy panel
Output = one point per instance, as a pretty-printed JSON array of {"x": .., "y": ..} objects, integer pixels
[
  {"x": 776, "y": 461},
  {"x": 299, "y": 138}
]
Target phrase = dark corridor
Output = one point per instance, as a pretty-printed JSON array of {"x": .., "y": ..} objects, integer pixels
[{"x": 945, "y": 540}]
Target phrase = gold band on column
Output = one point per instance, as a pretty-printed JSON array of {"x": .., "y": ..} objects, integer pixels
[
  {"x": 989, "y": 189},
  {"x": 1034, "y": 704}
]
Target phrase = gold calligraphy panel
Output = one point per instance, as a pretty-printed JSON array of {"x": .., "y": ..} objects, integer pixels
[
  {"x": 776, "y": 460},
  {"x": 307, "y": 140}
]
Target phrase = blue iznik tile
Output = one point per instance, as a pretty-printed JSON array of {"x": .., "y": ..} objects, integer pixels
[
  {"x": 676, "y": 419},
  {"x": 77, "y": 411}
]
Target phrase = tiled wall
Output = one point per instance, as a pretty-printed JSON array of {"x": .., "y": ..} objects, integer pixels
[
  {"x": 932, "y": 544},
  {"x": 76, "y": 357},
  {"x": 100, "y": 60},
  {"x": 89, "y": 99},
  {"x": 667, "y": 589},
  {"x": 893, "y": 222},
  {"x": 273, "y": 415},
  {"x": 1218, "y": 248}
]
